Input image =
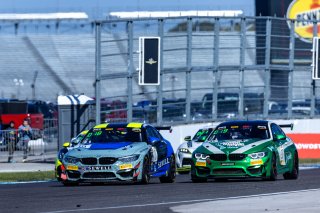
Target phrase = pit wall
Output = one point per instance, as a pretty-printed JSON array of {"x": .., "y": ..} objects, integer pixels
[{"x": 305, "y": 134}]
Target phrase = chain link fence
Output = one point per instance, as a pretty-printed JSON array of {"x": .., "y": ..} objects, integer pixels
[{"x": 211, "y": 69}]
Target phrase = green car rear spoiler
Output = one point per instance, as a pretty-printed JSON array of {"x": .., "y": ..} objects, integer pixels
[{"x": 287, "y": 126}]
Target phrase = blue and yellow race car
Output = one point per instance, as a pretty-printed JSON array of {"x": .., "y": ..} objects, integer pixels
[
  {"x": 120, "y": 151},
  {"x": 66, "y": 147}
]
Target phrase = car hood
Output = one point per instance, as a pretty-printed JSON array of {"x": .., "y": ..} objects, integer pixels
[
  {"x": 116, "y": 149},
  {"x": 191, "y": 145},
  {"x": 236, "y": 146}
]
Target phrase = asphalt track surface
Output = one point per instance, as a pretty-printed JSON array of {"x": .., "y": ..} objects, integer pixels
[{"x": 128, "y": 197}]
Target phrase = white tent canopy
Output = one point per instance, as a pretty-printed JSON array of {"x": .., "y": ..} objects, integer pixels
[
  {"x": 164, "y": 14},
  {"x": 42, "y": 16}
]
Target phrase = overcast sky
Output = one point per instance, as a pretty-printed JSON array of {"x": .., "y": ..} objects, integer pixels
[{"x": 100, "y": 8}]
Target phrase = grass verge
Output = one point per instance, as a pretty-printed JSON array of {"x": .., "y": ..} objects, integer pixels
[
  {"x": 27, "y": 176},
  {"x": 309, "y": 161}
]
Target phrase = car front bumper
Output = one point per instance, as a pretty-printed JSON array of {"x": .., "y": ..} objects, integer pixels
[
  {"x": 183, "y": 161},
  {"x": 102, "y": 173},
  {"x": 230, "y": 169}
]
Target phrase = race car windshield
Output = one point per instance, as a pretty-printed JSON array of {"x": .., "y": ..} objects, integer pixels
[
  {"x": 112, "y": 135},
  {"x": 202, "y": 135},
  {"x": 239, "y": 132}
]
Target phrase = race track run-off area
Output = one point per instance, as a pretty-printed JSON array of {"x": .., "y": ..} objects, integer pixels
[{"x": 181, "y": 196}]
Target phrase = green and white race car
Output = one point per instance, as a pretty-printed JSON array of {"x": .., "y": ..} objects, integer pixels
[{"x": 240, "y": 149}]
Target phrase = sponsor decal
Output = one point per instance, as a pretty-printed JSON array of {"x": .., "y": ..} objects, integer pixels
[
  {"x": 126, "y": 166},
  {"x": 85, "y": 146},
  {"x": 255, "y": 162},
  {"x": 305, "y": 11},
  {"x": 72, "y": 167},
  {"x": 308, "y": 145},
  {"x": 232, "y": 144},
  {"x": 262, "y": 127},
  {"x": 96, "y": 168},
  {"x": 281, "y": 155},
  {"x": 163, "y": 162},
  {"x": 136, "y": 130},
  {"x": 227, "y": 164},
  {"x": 201, "y": 163}
]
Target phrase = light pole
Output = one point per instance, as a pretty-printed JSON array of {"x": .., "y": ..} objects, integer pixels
[
  {"x": 19, "y": 83},
  {"x": 33, "y": 85}
]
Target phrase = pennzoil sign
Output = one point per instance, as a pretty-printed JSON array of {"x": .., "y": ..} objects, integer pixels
[{"x": 305, "y": 11}]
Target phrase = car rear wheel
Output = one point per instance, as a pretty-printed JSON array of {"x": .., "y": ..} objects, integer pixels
[
  {"x": 171, "y": 177},
  {"x": 294, "y": 173},
  {"x": 145, "y": 171}
]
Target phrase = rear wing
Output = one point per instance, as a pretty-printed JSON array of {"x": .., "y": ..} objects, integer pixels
[
  {"x": 159, "y": 128},
  {"x": 287, "y": 126}
]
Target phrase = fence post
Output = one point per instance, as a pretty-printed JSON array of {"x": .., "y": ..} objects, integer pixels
[
  {"x": 130, "y": 69},
  {"x": 189, "y": 67},
  {"x": 267, "y": 69},
  {"x": 160, "y": 87},
  {"x": 313, "y": 82},
  {"x": 98, "y": 72},
  {"x": 242, "y": 62},
  {"x": 291, "y": 68},
  {"x": 215, "y": 69}
]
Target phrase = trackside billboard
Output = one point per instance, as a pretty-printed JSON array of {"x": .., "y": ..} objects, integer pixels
[{"x": 308, "y": 145}]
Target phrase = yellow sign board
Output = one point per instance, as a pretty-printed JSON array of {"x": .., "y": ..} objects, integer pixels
[{"x": 304, "y": 11}]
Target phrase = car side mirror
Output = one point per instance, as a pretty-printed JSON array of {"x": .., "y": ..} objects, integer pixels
[
  {"x": 187, "y": 138},
  {"x": 153, "y": 140},
  {"x": 74, "y": 141},
  {"x": 279, "y": 137},
  {"x": 66, "y": 144}
]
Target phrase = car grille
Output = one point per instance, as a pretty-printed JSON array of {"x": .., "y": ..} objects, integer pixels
[
  {"x": 93, "y": 175},
  {"x": 228, "y": 172},
  {"x": 218, "y": 157},
  {"x": 255, "y": 171},
  {"x": 186, "y": 162},
  {"x": 107, "y": 161},
  {"x": 203, "y": 171},
  {"x": 89, "y": 161},
  {"x": 73, "y": 174},
  {"x": 235, "y": 157}
]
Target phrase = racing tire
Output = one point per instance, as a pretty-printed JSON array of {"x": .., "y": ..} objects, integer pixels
[
  {"x": 171, "y": 177},
  {"x": 145, "y": 171},
  {"x": 273, "y": 169},
  {"x": 294, "y": 173},
  {"x": 196, "y": 179}
]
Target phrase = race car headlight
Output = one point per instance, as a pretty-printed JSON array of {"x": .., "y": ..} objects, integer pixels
[
  {"x": 129, "y": 158},
  {"x": 257, "y": 155},
  {"x": 201, "y": 156},
  {"x": 71, "y": 160},
  {"x": 184, "y": 150}
]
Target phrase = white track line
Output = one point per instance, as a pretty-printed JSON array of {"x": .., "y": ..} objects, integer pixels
[{"x": 177, "y": 202}]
